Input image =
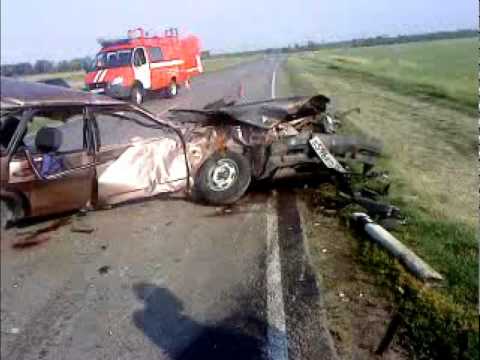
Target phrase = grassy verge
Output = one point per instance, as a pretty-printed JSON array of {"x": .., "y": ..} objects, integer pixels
[
  {"x": 443, "y": 70},
  {"x": 74, "y": 78},
  {"x": 68, "y": 76},
  {"x": 431, "y": 155}
]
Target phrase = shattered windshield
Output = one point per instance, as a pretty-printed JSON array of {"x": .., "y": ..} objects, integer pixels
[{"x": 112, "y": 59}]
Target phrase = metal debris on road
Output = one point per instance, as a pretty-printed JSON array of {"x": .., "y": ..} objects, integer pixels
[
  {"x": 14, "y": 330},
  {"x": 79, "y": 227},
  {"x": 104, "y": 270}
]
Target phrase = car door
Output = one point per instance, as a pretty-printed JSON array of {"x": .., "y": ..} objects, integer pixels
[
  {"x": 138, "y": 158},
  {"x": 141, "y": 68},
  {"x": 159, "y": 75},
  {"x": 69, "y": 189}
]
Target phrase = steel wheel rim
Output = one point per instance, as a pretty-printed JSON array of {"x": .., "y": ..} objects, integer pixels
[{"x": 223, "y": 175}]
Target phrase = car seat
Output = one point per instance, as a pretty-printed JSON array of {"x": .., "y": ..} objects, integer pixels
[{"x": 48, "y": 141}]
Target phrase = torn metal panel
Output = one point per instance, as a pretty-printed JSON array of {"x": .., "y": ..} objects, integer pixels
[
  {"x": 266, "y": 114},
  {"x": 146, "y": 168}
]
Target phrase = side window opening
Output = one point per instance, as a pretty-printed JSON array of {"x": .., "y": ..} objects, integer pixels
[
  {"x": 72, "y": 130},
  {"x": 114, "y": 127},
  {"x": 111, "y": 59},
  {"x": 156, "y": 54},
  {"x": 139, "y": 57},
  {"x": 53, "y": 144},
  {"x": 8, "y": 127}
]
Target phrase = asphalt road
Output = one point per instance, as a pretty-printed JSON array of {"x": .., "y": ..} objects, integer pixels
[{"x": 168, "y": 278}]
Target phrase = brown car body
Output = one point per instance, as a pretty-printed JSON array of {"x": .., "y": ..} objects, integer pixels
[{"x": 266, "y": 136}]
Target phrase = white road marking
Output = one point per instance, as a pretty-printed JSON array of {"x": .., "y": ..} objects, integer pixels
[
  {"x": 274, "y": 78},
  {"x": 277, "y": 343}
]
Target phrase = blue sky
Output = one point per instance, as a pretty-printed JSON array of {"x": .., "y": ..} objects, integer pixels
[{"x": 59, "y": 29}]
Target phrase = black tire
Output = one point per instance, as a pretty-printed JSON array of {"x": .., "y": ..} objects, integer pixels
[
  {"x": 137, "y": 95},
  {"x": 172, "y": 89},
  {"x": 7, "y": 213},
  {"x": 237, "y": 174}
]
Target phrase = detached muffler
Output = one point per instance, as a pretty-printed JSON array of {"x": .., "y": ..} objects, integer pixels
[{"x": 406, "y": 256}]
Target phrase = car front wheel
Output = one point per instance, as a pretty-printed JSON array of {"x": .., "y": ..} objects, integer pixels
[
  {"x": 7, "y": 213},
  {"x": 223, "y": 178},
  {"x": 137, "y": 94}
]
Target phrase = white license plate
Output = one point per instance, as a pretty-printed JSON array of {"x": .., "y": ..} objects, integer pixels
[{"x": 327, "y": 158}]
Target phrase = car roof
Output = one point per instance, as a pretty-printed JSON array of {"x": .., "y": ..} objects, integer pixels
[{"x": 17, "y": 94}]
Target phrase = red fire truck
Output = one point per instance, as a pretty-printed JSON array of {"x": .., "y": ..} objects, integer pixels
[{"x": 127, "y": 68}]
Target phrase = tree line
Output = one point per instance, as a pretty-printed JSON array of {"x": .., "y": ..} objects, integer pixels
[
  {"x": 362, "y": 42},
  {"x": 78, "y": 64},
  {"x": 46, "y": 66}
]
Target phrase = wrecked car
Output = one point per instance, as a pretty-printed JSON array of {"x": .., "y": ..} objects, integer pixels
[{"x": 64, "y": 150}]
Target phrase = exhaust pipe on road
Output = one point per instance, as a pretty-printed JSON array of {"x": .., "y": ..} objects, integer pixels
[{"x": 406, "y": 256}]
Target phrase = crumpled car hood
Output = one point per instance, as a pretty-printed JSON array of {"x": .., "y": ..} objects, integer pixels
[{"x": 266, "y": 114}]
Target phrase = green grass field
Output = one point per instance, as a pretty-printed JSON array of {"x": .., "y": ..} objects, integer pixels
[
  {"x": 444, "y": 68},
  {"x": 420, "y": 99},
  {"x": 74, "y": 78},
  {"x": 223, "y": 62}
]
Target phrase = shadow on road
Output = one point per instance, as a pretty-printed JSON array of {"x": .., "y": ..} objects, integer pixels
[{"x": 182, "y": 338}]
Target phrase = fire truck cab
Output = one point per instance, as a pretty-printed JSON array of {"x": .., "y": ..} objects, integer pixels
[{"x": 127, "y": 68}]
